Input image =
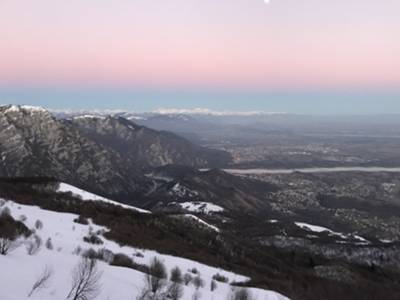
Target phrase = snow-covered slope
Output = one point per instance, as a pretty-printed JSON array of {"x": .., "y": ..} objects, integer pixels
[
  {"x": 86, "y": 196},
  {"x": 200, "y": 207},
  {"x": 320, "y": 229},
  {"x": 20, "y": 270}
]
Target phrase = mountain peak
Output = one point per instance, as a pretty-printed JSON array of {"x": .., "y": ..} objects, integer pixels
[{"x": 23, "y": 108}]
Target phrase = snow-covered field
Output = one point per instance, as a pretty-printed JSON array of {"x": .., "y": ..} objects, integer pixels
[{"x": 20, "y": 270}]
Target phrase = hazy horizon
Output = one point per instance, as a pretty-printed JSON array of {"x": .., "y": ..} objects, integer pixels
[{"x": 292, "y": 102}]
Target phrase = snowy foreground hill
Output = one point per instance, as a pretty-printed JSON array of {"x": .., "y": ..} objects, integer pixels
[{"x": 56, "y": 247}]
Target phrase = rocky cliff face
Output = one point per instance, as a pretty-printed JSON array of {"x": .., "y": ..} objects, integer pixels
[
  {"x": 33, "y": 143},
  {"x": 106, "y": 155},
  {"x": 145, "y": 147}
]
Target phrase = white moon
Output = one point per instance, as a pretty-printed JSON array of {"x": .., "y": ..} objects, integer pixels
[{"x": 266, "y": 1}]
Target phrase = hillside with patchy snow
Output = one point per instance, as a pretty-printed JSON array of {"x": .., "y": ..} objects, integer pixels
[{"x": 61, "y": 248}]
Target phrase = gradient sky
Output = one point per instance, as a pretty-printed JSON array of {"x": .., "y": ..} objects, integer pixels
[{"x": 326, "y": 50}]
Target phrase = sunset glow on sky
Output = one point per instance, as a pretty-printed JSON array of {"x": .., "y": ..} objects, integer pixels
[
  {"x": 229, "y": 44},
  {"x": 201, "y": 42}
]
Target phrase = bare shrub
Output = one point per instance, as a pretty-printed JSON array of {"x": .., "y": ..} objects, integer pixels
[
  {"x": 7, "y": 245},
  {"x": 93, "y": 239},
  {"x": 101, "y": 254},
  {"x": 139, "y": 254},
  {"x": 175, "y": 291},
  {"x": 198, "y": 282},
  {"x": 42, "y": 281},
  {"x": 105, "y": 255},
  {"x": 194, "y": 271},
  {"x": 85, "y": 280},
  {"x": 213, "y": 285},
  {"x": 220, "y": 278},
  {"x": 22, "y": 218},
  {"x": 187, "y": 278},
  {"x": 157, "y": 275},
  {"x": 240, "y": 294},
  {"x": 49, "y": 244},
  {"x": 90, "y": 253},
  {"x": 155, "y": 282},
  {"x": 33, "y": 246},
  {"x": 38, "y": 224},
  {"x": 176, "y": 275}
]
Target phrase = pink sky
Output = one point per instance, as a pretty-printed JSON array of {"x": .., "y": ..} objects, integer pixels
[{"x": 210, "y": 43}]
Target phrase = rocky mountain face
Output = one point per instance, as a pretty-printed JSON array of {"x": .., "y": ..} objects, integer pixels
[
  {"x": 34, "y": 143},
  {"x": 145, "y": 147},
  {"x": 106, "y": 155}
]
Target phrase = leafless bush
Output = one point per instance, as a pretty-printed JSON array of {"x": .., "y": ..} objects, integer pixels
[
  {"x": 49, "y": 244},
  {"x": 85, "y": 280},
  {"x": 33, "y": 246},
  {"x": 23, "y": 218},
  {"x": 93, "y": 238},
  {"x": 90, "y": 253},
  {"x": 42, "y": 281},
  {"x": 175, "y": 291},
  {"x": 155, "y": 282},
  {"x": 139, "y": 254},
  {"x": 187, "y": 278},
  {"x": 157, "y": 276},
  {"x": 38, "y": 224},
  {"x": 176, "y": 275},
  {"x": 220, "y": 278},
  {"x": 7, "y": 245},
  {"x": 213, "y": 285},
  {"x": 198, "y": 282},
  {"x": 77, "y": 250},
  {"x": 240, "y": 294},
  {"x": 105, "y": 255}
]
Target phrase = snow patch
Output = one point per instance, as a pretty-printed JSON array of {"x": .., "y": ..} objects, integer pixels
[
  {"x": 197, "y": 219},
  {"x": 182, "y": 191},
  {"x": 86, "y": 196},
  {"x": 320, "y": 229},
  {"x": 18, "y": 108},
  {"x": 200, "y": 207}
]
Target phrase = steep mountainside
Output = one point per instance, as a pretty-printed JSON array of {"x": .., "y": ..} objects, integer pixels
[
  {"x": 34, "y": 143},
  {"x": 106, "y": 155},
  {"x": 146, "y": 147}
]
